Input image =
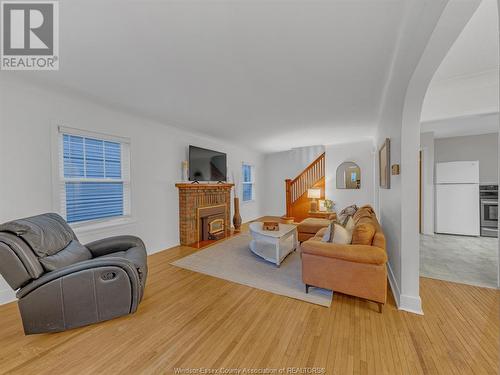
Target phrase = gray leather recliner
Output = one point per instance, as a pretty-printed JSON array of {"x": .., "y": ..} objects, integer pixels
[{"x": 62, "y": 284}]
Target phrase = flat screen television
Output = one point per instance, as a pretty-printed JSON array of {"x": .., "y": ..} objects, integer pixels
[{"x": 206, "y": 165}]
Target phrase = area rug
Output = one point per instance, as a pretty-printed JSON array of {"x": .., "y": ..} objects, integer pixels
[{"x": 232, "y": 260}]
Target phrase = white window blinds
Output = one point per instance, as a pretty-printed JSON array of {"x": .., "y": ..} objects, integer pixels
[
  {"x": 248, "y": 182},
  {"x": 95, "y": 177}
]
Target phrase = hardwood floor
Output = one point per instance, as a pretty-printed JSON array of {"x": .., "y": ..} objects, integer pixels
[{"x": 190, "y": 320}]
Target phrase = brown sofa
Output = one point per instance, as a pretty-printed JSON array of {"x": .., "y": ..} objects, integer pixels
[{"x": 358, "y": 269}]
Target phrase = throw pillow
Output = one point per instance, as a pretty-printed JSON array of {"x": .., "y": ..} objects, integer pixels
[
  {"x": 346, "y": 213},
  {"x": 337, "y": 234},
  {"x": 329, "y": 233},
  {"x": 349, "y": 226}
]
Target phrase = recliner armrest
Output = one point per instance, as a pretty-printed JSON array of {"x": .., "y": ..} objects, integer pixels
[
  {"x": 84, "y": 293},
  {"x": 351, "y": 253},
  {"x": 113, "y": 244},
  {"x": 124, "y": 264}
]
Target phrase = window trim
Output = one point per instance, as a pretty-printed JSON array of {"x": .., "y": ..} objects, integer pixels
[
  {"x": 92, "y": 134},
  {"x": 252, "y": 182},
  {"x": 58, "y": 179}
]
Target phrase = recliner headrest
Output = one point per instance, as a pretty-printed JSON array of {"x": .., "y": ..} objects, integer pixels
[{"x": 46, "y": 234}]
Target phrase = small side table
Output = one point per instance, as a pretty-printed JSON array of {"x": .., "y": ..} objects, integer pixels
[{"x": 322, "y": 214}]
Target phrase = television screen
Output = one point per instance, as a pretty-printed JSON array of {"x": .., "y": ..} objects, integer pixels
[{"x": 206, "y": 165}]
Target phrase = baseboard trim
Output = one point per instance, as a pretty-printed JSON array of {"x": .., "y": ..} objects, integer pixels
[
  {"x": 7, "y": 296},
  {"x": 411, "y": 304},
  {"x": 403, "y": 302},
  {"x": 394, "y": 285}
]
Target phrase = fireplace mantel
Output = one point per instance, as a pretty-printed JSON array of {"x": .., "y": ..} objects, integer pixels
[
  {"x": 190, "y": 185},
  {"x": 193, "y": 197}
]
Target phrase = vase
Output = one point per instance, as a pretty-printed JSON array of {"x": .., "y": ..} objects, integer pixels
[
  {"x": 237, "y": 216},
  {"x": 185, "y": 171}
]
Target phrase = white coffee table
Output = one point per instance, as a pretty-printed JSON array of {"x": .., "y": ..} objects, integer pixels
[{"x": 273, "y": 246}]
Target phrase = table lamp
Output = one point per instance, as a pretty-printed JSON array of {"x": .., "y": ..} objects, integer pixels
[{"x": 314, "y": 194}]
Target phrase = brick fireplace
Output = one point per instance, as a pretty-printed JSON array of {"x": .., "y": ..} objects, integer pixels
[{"x": 204, "y": 211}]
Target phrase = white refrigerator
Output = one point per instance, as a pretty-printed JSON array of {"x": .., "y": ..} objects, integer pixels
[{"x": 457, "y": 198}]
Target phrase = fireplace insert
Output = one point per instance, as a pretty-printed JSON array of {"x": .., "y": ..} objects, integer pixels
[{"x": 212, "y": 222}]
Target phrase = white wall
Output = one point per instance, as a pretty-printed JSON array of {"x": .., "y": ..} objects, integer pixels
[
  {"x": 278, "y": 167},
  {"x": 416, "y": 59},
  {"x": 28, "y": 115},
  {"x": 363, "y": 154},
  {"x": 427, "y": 147},
  {"x": 482, "y": 147}
]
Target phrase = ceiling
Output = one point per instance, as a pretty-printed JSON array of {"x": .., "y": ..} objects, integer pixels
[
  {"x": 476, "y": 49},
  {"x": 463, "y": 96},
  {"x": 463, "y": 126},
  {"x": 270, "y": 75}
]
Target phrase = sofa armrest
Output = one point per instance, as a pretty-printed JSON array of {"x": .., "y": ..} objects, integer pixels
[
  {"x": 352, "y": 253},
  {"x": 113, "y": 244},
  {"x": 92, "y": 264}
]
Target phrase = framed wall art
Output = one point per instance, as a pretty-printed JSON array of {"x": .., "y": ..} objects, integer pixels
[{"x": 384, "y": 157}]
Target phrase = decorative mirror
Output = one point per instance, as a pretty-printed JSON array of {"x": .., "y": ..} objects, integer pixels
[{"x": 348, "y": 176}]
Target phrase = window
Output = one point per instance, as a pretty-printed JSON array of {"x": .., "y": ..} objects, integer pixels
[
  {"x": 248, "y": 182},
  {"x": 94, "y": 176}
]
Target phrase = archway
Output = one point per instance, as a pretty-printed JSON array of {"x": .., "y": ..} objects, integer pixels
[
  {"x": 400, "y": 121},
  {"x": 459, "y": 132}
]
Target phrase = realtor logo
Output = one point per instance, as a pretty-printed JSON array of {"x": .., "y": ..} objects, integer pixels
[{"x": 29, "y": 35}]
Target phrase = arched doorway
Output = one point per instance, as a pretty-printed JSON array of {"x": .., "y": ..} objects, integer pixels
[{"x": 459, "y": 133}]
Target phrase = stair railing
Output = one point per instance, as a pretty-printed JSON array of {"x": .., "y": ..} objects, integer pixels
[{"x": 297, "y": 187}]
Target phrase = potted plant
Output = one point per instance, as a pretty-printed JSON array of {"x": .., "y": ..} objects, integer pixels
[{"x": 329, "y": 205}]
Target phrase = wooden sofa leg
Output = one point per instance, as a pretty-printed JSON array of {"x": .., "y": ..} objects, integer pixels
[
  {"x": 307, "y": 288},
  {"x": 380, "y": 306}
]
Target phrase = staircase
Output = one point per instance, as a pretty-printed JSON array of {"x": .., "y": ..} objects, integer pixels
[{"x": 313, "y": 176}]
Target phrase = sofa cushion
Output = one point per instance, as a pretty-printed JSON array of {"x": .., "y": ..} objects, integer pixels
[
  {"x": 312, "y": 225},
  {"x": 364, "y": 212},
  {"x": 364, "y": 231},
  {"x": 379, "y": 239},
  {"x": 73, "y": 253},
  {"x": 46, "y": 234}
]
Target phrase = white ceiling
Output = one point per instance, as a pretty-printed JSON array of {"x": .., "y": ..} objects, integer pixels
[
  {"x": 463, "y": 96},
  {"x": 271, "y": 75},
  {"x": 463, "y": 126},
  {"x": 476, "y": 49}
]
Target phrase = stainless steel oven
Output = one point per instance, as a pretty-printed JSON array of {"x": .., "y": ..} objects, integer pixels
[{"x": 489, "y": 210}]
